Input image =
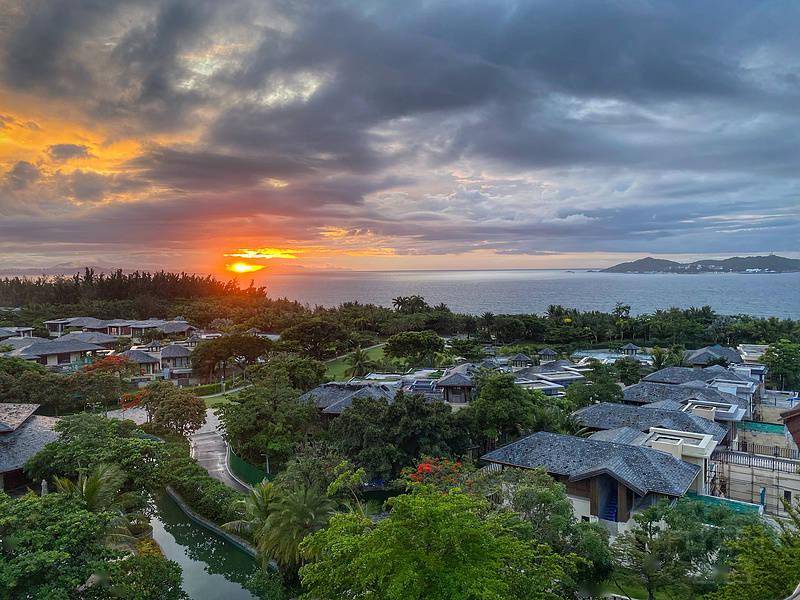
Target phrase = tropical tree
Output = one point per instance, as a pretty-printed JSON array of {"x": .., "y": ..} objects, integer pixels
[
  {"x": 278, "y": 518},
  {"x": 628, "y": 370},
  {"x": 660, "y": 358},
  {"x": 257, "y": 507},
  {"x": 417, "y": 348},
  {"x": 100, "y": 490},
  {"x": 359, "y": 363},
  {"x": 783, "y": 360},
  {"x": 766, "y": 566},
  {"x": 431, "y": 545}
]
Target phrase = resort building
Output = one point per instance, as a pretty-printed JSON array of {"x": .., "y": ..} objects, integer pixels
[
  {"x": 457, "y": 388},
  {"x": 606, "y": 481},
  {"x": 59, "y": 354},
  {"x": 712, "y": 355},
  {"x": 546, "y": 355},
  {"x": 520, "y": 361},
  {"x": 715, "y": 376},
  {"x": 15, "y": 332},
  {"x": 22, "y": 435},
  {"x": 332, "y": 398},
  {"x": 92, "y": 337},
  {"x": 118, "y": 327},
  {"x": 752, "y": 353}
]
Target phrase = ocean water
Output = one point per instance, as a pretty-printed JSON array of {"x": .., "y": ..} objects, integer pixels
[{"x": 532, "y": 291}]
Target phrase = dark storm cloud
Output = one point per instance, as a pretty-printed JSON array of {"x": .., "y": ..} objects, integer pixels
[{"x": 524, "y": 127}]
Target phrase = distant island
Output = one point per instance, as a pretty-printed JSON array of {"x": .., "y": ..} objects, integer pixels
[{"x": 737, "y": 264}]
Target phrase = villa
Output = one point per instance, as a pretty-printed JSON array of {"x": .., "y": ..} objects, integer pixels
[
  {"x": 711, "y": 355},
  {"x": 59, "y": 354},
  {"x": 609, "y": 416},
  {"x": 332, "y": 398},
  {"x": 716, "y": 376},
  {"x": 22, "y": 435},
  {"x": 607, "y": 481},
  {"x": 15, "y": 332},
  {"x": 118, "y": 327}
]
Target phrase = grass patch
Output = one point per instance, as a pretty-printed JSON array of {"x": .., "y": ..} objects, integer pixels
[
  {"x": 219, "y": 400},
  {"x": 337, "y": 367}
]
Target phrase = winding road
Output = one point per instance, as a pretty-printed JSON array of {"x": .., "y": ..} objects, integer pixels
[{"x": 207, "y": 445}]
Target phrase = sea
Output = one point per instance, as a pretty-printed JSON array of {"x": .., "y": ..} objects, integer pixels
[{"x": 532, "y": 291}]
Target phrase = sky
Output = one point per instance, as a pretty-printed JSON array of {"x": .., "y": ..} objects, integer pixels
[{"x": 293, "y": 135}]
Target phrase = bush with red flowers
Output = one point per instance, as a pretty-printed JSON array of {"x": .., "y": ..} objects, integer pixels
[{"x": 441, "y": 473}]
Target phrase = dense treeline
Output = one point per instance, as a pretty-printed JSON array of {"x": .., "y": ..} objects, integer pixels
[
  {"x": 18, "y": 291},
  {"x": 323, "y": 332}
]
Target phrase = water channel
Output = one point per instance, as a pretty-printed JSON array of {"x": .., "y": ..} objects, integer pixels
[{"x": 213, "y": 568}]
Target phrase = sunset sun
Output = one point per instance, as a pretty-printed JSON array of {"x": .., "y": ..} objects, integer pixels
[{"x": 243, "y": 267}]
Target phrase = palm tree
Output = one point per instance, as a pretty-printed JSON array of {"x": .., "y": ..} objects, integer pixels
[
  {"x": 295, "y": 514},
  {"x": 100, "y": 489},
  {"x": 359, "y": 363},
  {"x": 400, "y": 303},
  {"x": 278, "y": 518},
  {"x": 257, "y": 506}
]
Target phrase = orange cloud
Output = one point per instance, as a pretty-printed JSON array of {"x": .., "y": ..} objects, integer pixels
[{"x": 265, "y": 253}]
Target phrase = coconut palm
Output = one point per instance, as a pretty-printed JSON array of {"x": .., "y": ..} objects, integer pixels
[
  {"x": 101, "y": 490},
  {"x": 278, "y": 518},
  {"x": 359, "y": 363},
  {"x": 257, "y": 506},
  {"x": 296, "y": 513}
]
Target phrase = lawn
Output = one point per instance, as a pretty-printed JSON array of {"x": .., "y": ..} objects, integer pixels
[{"x": 337, "y": 367}]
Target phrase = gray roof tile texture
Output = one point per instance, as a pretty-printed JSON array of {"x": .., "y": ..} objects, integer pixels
[
  {"x": 642, "y": 469},
  {"x": 608, "y": 415},
  {"x": 18, "y": 447},
  {"x": 12, "y": 415}
]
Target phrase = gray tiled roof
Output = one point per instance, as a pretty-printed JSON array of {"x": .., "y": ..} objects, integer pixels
[
  {"x": 176, "y": 327},
  {"x": 630, "y": 346},
  {"x": 707, "y": 354},
  {"x": 140, "y": 357},
  {"x": 336, "y": 393},
  {"x": 371, "y": 391},
  {"x": 456, "y": 380},
  {"x": 621, "y": 435},
  {"x": 547, "y": 352},
  {"x": 175, "y": 351},
  {"x": 90, "y": 337},
  {"x": 12, "y": 415},
  {"x": 520, "y": 357},
  {"x": 642, "y": 469},
  {"x": 88, "y": 322},
  {"x": 647, "y": 392},
  {"x": 608, "y": 415},
  {"x": 18, "y": 447},
  {"x": 21, "y": 342},
  {"x": 57, "y": 346},
  {"x": 675, "y": 375}
]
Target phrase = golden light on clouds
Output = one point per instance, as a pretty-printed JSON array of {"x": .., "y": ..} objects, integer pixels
[
  {"x": 243, "y": 267},
  {"x": 265, "y": 253}
]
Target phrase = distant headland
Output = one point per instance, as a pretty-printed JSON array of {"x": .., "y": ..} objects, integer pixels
[{"x": 738, "y": 264}]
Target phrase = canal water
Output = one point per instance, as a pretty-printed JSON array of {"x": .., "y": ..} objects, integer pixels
[{"x": 213, "y": 568}]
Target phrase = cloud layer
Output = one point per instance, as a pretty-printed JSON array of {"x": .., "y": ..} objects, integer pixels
[{"x": 170, "y": 131}]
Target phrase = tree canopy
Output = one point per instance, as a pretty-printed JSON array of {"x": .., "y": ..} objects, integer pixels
[{"x": 431, "y": 546}]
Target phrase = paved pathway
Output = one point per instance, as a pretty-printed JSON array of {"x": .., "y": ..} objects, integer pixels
[
  {"x": 209, "y": 449},
  {"x": 207, "y": 444}
]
